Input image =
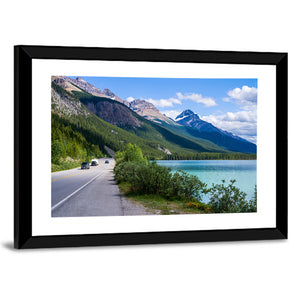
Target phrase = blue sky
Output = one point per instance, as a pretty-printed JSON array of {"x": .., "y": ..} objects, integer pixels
[{"x": 229, "y": 104}]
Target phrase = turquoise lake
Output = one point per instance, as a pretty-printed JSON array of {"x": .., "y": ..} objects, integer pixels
[{"x": 214, "y": 171}]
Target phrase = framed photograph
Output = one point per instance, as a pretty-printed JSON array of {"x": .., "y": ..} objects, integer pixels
[{"x": 119, "y": 146}]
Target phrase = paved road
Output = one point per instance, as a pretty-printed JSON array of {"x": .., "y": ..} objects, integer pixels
[{"x": 90, "y": 192}]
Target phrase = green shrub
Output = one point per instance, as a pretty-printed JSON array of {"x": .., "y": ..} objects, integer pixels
[
  {"x": 126, "y": 171},
  {"x": 155, "y": 179},
  {"x": 187, "y": 186},
  {"x": 131, "y": 153},
  {"x": 253, "y": 201},
  {"x": 228, "y": 199},
  {"x": 152, "y": 179}
]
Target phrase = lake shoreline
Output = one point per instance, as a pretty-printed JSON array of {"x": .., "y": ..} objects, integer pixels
[
  {"x": 205, "y": 159},
  {"x": 215, "y": 171}
]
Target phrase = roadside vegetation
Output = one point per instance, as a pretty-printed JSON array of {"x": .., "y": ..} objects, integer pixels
[
  {"x": 68, "y": 147},
  {"x": 65, "y": 164},
  {"x": 156, "y": 187}
]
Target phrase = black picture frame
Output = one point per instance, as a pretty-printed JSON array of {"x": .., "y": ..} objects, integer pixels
[{"x": 23, "y": 56}]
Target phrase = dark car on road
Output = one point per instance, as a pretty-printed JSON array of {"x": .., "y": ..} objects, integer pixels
[
  {"x": 94, "y": 163},
  {"x": 85, "y": 165},
  {"x": 107, "y": 162}
]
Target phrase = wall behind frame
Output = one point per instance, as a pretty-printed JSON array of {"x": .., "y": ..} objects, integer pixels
[{"x": 248, "y": 270}]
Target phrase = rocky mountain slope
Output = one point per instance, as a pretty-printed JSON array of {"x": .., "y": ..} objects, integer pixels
[
  {"x": 78, "y": 84},
  {"x": 209, "y": 132},
  {"x": 112, "y": 96},
  {"x": 63, "y": 103},
  {"x": 111, "y": 111},
  {"x": 89, "y": 88},
  {"x": 149, "y": 111}
]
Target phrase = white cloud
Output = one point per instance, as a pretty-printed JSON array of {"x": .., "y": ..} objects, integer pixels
[
  {"x": 207, "y": 101},
  {"x": 244, "y": 96},
  {"x": 164, "y": 102},
  {"x": 130, "y": 99},
  {"x": 240, "y": 116},
  {"x": 244, "y": 122},
  {"x": 241, "y": 123}
]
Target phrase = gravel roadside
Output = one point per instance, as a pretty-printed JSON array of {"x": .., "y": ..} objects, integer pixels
[{"x": 132, "y": 208}]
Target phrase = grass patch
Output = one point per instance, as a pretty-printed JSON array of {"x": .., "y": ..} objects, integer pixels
[
  {"x": 157, "y": 202},
  {"x": 65, "y": 165}
]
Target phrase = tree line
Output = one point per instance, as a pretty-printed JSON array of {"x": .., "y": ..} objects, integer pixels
[
  {"x": 210, "y": 156},
  {"x": 65, "y": 142}
]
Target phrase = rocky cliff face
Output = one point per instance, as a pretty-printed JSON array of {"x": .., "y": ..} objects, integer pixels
[
  {"x": 65, "y": 104},
  {"x": 89, "y": 88},
  {"x": 149, "y": 111},
  {"x": 108, "y": 93},
  {"x": 61, "y": 81},
  {"x": 113, "y": 113}
]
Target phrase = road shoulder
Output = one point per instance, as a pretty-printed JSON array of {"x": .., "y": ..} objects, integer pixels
[{"x": 132, "y": 208}]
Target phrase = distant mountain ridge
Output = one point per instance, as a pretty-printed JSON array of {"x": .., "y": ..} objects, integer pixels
[
  {"x": 149, "y": 111},
  {"x": 189, "y": 118},
  {"x": 112, "y": 96},
  {"x": 78, "y": 83},
  {"x": 65, "y": 81},
  {"x": 218, "y": 136}
]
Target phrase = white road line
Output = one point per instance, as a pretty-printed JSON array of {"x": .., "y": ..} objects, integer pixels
[{"x": 79, "y": 189}]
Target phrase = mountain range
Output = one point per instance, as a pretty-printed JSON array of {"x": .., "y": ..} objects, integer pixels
[
  {"x": 138, "y": 121},
  {"x": 218, "y": 136}
]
